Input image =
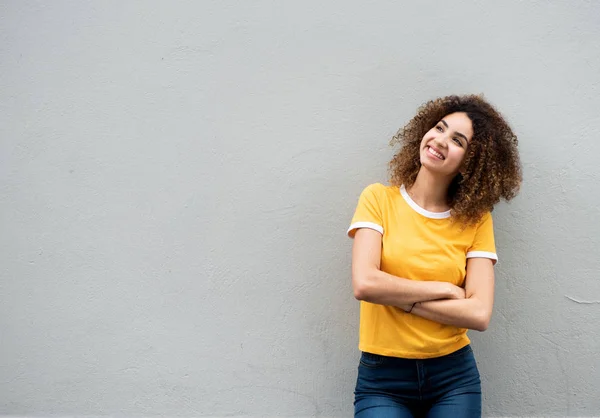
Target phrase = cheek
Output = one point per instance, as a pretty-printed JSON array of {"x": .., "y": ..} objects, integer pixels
[{"x": 457, "y": 155}]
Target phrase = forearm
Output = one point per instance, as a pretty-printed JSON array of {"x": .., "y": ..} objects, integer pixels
[
  {"x": 385, "y": 289},
  {"x": 468, "y": 313}
]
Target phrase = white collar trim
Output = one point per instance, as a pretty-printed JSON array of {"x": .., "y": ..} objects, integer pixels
[{"x": 419, "y": 209}]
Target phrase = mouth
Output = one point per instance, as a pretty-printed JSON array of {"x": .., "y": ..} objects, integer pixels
[{"x": 434, "y": 153}]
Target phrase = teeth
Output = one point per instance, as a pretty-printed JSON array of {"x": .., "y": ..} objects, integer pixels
[{"x": 437, "y": 154}]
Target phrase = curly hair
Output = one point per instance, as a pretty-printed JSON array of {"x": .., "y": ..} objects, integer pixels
[{"x": 492, "y": 165}]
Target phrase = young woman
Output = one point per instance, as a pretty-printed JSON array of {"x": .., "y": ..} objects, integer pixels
[{"x": 423, "y": 260}]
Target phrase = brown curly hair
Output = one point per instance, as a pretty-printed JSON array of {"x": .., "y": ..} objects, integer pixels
[{"x": 492, "y": 164}]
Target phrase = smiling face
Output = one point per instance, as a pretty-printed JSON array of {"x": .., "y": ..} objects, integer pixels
[{"x": 443, "y": 147}]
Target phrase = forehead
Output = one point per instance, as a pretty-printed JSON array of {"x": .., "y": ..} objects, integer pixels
[{"x": 459, "y": 122}]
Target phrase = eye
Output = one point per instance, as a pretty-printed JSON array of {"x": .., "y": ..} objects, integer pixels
[
  {"x": 458, "y": 142},
  {"x": 439, "y": 128}
]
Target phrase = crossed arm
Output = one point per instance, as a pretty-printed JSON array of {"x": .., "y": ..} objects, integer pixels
[{"x": 438, "y": 301}]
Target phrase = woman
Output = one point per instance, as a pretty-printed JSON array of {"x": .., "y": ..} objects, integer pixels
[{"x": 423, "y": 260}]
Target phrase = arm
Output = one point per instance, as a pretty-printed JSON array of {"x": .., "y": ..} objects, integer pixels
[
  {"x": 373, "y": 285},
  {"x": 473, "y": 312}
]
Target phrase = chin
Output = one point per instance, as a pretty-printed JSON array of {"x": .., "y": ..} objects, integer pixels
[
  {"x": 436, "y": 169},
  {"x": 425, "y": 162}
]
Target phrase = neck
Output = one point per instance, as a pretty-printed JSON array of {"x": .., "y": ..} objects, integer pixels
[{"x": 430, "y": 191}]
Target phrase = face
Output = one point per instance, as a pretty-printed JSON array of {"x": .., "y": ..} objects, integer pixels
[{"x": 443, "y": 148}]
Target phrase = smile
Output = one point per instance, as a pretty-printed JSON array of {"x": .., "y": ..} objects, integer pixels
[{"x": 436, "y": 154}]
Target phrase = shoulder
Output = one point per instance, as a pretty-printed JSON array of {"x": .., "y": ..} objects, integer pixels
[
  {"x": 485, "y": 219},
  {"x": 483, "y": 223}
]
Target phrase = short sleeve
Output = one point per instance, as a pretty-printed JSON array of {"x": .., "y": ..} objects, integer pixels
[
  {"x": 484, "y": 245},
  {"x": 368, "y": 211}
]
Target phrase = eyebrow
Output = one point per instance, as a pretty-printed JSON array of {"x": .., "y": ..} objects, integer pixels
[{"x": 457, "y": 133}]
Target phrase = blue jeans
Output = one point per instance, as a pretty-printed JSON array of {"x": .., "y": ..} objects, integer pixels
[{"x": 391, "y": 387}]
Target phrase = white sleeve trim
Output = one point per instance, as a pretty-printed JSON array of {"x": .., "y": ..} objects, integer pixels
[
  {"x": 369, "y": 225},
  {"x": 482, "y": 254}
]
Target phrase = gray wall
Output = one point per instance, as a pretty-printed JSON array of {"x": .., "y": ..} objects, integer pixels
[{"x": 176, "y": 179}]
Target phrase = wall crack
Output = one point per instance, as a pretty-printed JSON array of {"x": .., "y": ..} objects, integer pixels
[{"x": 583, "y": 302}]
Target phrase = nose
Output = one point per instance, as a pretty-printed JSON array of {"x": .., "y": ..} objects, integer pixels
[{"x": 441, "y": 141}]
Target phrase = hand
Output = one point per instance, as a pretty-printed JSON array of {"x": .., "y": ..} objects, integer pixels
[
  {"x": 406, "y": 308},
  {"x": 455, "y": 292}
]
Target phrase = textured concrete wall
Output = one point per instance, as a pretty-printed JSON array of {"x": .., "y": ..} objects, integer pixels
[{"x": 176, "y": 179}]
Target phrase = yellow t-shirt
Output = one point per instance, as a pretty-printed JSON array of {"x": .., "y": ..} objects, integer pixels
[{"x": 418, "y": 245}]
